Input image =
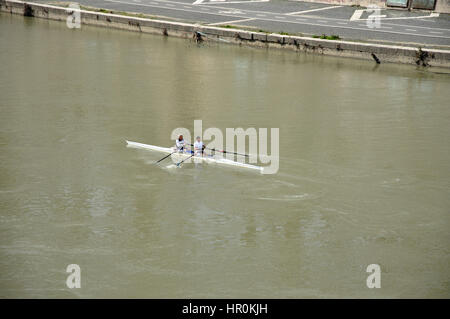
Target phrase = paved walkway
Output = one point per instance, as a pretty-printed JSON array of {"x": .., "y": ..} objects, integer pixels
[{"x": 296, "y": 17}]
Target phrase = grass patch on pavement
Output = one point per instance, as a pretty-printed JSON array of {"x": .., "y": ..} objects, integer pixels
[{"x": 327, "y": 37}]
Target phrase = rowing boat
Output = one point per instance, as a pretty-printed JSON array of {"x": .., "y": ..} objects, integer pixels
[{"x": 177, "y": 157}]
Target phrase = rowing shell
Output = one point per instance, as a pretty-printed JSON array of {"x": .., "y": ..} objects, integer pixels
[{"x": 177, "y": 157}]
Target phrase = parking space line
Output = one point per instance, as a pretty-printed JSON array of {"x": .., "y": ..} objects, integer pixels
[
  {"x": 233, "y": 21},
  {"x": 313, "y": 10}
]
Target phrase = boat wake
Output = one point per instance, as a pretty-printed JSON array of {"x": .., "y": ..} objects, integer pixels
[{"x": 296, "y": 197}]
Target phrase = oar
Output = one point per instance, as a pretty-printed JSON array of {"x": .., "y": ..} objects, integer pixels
[
  {"x": 165, "y": 157},
  {"x": 185, "y": 159},
  {"x": 213, "y": 149}
]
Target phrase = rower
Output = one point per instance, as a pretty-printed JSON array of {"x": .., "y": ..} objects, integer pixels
[
  {"x": 199, "y": 147},
  {"x": 180, "y": 144}
]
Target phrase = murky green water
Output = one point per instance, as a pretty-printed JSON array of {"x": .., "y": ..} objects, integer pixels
[{"x": 364, "y": 170}]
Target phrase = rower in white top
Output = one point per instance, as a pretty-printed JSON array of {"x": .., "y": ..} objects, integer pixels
[
  {"x": 199, "y": 147},
  {"x": 180, "y": 144}
]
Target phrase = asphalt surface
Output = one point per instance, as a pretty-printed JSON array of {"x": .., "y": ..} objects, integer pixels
[{"x": 419, "y": 28}]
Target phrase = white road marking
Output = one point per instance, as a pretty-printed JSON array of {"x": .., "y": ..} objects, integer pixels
[
  {"x": 356, "y": 15},
  {"x": 278, "y": 17},
  {"x": 198, "y": 1},
  {"x": 415, "y": 26},
  {"x": 233, "y": 11},
  {"x": 432, "y": 15},
  {"x": 436, "y": 32},
  {"x": 411, "y": 30},
  {"x": 343, "y": 23},
  {"x": 372, "y": 16},
  {"x": 261, "y": 15},
  {"x": 313, "y": 10},
  {"x": 227, "y": 2},
  {"x": 231, "y": 22}
]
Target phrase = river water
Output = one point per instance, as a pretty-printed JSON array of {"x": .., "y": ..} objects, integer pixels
[{"x": 364, "y": 174}]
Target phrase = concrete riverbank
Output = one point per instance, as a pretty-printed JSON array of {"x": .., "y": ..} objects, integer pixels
[{"x": 378, "y": 53}]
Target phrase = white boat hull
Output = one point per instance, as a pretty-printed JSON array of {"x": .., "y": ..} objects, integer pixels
[{"x": 178, "y": 157}]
